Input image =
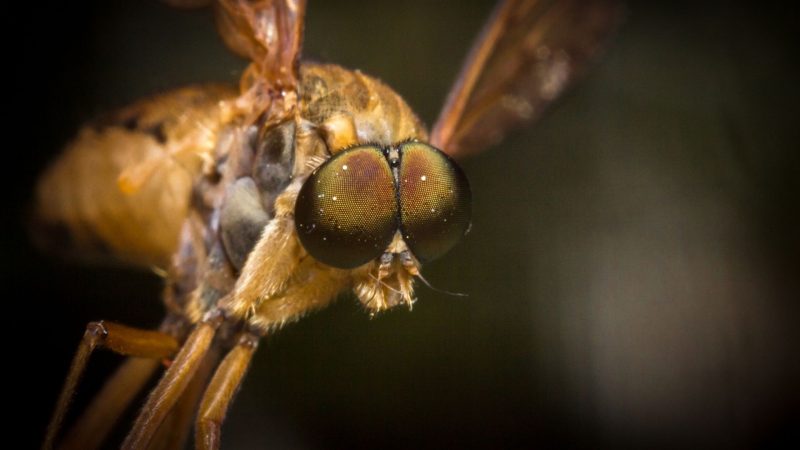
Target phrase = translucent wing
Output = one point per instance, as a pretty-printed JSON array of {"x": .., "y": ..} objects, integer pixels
[
  {"x": 268, "y": 32},
  {"x": 528, "y": 52}
]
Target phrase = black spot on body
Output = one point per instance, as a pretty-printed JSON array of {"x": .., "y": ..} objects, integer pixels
[
  {"x": 158, "y": 132},
  {"x": 131, "y": 123}
]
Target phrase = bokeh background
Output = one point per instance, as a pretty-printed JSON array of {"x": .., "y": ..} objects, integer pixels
[{"x": 632, "y": 272}]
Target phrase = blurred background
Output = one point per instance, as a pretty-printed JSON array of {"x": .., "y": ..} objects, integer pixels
[{"x": 632, "y": 272}]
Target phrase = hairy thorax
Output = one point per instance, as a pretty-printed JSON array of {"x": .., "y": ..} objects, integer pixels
[{"x": 353, "y": 108}]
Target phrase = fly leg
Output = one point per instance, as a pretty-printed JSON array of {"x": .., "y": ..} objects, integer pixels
[
  {"x": 117, "y": 338},
  {"x": 174, "y": 431},
  {"x": 221, "y": 390},
  {"x": 173, "y": 383}
]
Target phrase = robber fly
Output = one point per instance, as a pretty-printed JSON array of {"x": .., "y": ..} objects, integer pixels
[{"x": 263, "y": 202}]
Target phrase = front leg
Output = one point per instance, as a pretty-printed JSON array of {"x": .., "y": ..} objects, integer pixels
[
  {"x": 280, "y": 282},
  {"x": 220, "y": 392},
  {"x": 272, "y": 262}
]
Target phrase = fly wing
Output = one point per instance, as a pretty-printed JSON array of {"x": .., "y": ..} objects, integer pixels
[
  {"x": 268, "y": 32},
  {"x": 526, "y": 55},
  {"x": 122, "y": 187}
]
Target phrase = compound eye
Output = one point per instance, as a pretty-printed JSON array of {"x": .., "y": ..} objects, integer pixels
[
  {"x": 346, "y": 212},
  {"x": 435, "y": 200}
]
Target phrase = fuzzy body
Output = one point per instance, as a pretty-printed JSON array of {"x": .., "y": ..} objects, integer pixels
[
  {"x": 121, "y": 188},
  {"x": 154, "y": 184}
]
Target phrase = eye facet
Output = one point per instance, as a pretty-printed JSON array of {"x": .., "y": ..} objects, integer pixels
[
  {"x": 346, "y": 212},
  {"x": 435, "y": 200}
]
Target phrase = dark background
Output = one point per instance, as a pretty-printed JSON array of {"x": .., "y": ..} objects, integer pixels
[{"x": 632, "y": 270}]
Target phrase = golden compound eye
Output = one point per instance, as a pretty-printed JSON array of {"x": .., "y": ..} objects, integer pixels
[
  {"x": 346, "y": 212},
  {"x": 435, "y": 200}
]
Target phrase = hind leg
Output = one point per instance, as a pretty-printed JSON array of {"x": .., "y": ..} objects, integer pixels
[
  {"x": 117, "y": 338},
  {"x": 172, "y": 385}
]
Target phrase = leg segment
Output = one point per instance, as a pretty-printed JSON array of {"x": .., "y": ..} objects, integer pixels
[
  {"x": 220, "y": 392},
  {"x": 92, "y": 428},
  {"x": 172, "y": 384},
  {"x": 172, "y": 433},
  {"x": 118, "y": 338}
]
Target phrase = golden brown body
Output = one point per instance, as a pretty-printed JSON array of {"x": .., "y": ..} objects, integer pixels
[
  {"x": 143, "y": 184},
  {"x": 126, "y": 184},
  {"x": 158, "y": 145},
  {"x": 203, "y": 183}
]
